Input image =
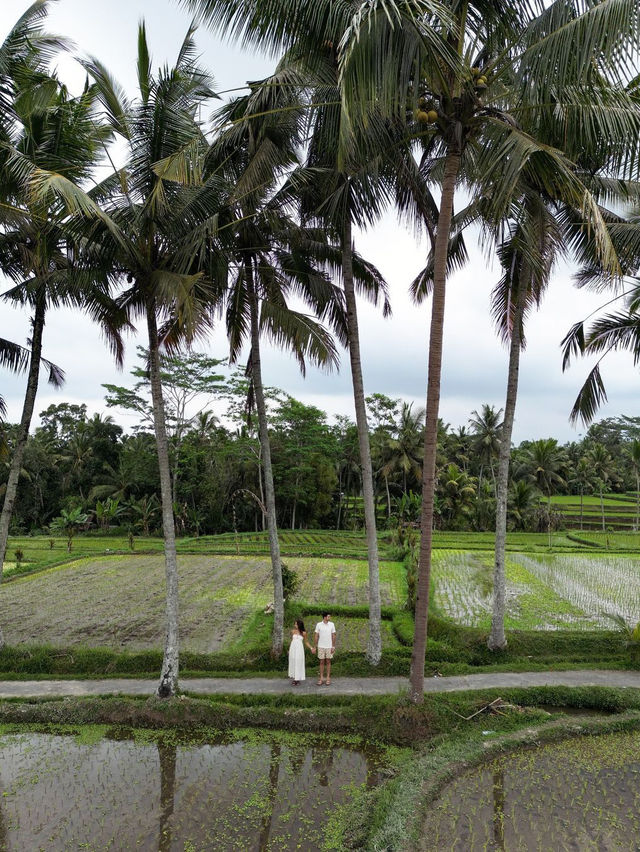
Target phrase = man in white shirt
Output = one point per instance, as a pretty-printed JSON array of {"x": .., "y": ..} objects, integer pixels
[{"x": 325, "y": 643}]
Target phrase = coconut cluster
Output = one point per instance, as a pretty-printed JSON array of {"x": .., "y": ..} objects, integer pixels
[
  {"x": 426, "y": 112},
  {"x": 479, "y": 79}
]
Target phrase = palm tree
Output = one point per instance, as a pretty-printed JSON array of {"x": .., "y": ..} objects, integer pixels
[
  {"x": 321, "y": 36},
  {"x": 459, "y": 447},
  {"x": 520, "y": 501},
  {"x": 620, "y": 330},
  {"x": 457, "y": 492},
  {"x": 601, "y": 464},
  {"x": 70, "y": 521},
  {"x": 24, "y": 53},
  {"x": 404, "y": 451},
  {"x": 145, "y": 225},
  {"x": 544, "y": 463},
  {"x": 338, "y": 193},
  {"x": 527, "y": 256},
  {"x": 56, "y": 132},
  {"x": 476, "y": 111},
  {"x": 582, "y": 478},
  {"x": 272, "y": 257},
  {"x": 486, "y": 427}
]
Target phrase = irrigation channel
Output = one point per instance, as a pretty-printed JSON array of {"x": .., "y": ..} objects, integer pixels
[{"x": 154, "y": 792}]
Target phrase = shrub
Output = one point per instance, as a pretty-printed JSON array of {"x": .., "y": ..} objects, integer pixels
[{"x": 290, "y": 581}]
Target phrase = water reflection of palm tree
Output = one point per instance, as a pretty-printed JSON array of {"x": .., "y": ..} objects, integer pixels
[
  {"x": 3, "y": 828},
  {"x": 373, "y": 776},
  {"x": 498, "y": 809},
  {"x": 167, "y": 755},
  {"x": 322, "y": 761},
  {"x": 274, "y": 773}
]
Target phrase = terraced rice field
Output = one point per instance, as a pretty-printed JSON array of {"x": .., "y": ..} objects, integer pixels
[
  {"x": 546, "y": 592},
  {"x": 581, "y": 794},
  {"x": 118, "y": 601},
  {"x": 157, "y": 791}
]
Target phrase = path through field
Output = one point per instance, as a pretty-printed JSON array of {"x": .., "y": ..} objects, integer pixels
[{"x": 339, "y": 685}]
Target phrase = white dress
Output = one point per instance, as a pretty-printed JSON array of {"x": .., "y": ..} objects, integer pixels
[{"x": 296, "y": 657}]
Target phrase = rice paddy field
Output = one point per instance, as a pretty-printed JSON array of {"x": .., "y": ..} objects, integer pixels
[
  {"x": 580, "y": 794},
  {"x": 103, "y": 595},
  {"x": 118, "y": 601},
  {"x": 544, "y": 591},
  {"x": 119, "y": 789}
]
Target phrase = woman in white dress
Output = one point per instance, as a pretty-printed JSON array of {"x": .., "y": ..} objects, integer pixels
[{"x": 296, "y": 652}]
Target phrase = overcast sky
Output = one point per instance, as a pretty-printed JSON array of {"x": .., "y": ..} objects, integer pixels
[{"x": 394, "y": 351}]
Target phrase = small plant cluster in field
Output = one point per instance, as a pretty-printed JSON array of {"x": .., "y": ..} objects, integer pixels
[
  {"x": 290, "y": 581},
  {"x": 405, "y": 541}
]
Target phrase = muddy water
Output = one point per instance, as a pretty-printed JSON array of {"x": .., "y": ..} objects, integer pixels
[
  {"x": 582, "y": 795},
  {"x": 117, "y": 794}
]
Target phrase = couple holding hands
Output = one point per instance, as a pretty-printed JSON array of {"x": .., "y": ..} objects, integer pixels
[{"x": 324, "y": 644}]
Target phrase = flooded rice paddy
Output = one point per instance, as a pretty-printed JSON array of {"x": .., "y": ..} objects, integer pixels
[
  {"x": 582, "y": 794},
  {"x": 149, "y": 791}
]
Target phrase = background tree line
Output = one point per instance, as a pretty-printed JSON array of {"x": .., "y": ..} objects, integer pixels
[{"x": 74, "y": 461}]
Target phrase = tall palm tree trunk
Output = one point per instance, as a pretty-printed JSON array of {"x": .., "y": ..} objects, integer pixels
[
  {"x": 270, "y": 495},
  {"x": 23, "y": 431},
  {"x": 452, "y": 166},
  {"x": 497, "y": 639},
  {"x": 170, "y": 663},
  {"x": 374, "y": 645},
  {"x": 386, "y": 485}
]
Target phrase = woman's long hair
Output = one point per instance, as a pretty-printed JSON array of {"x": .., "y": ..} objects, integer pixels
[{"x": 300, "y": 625}]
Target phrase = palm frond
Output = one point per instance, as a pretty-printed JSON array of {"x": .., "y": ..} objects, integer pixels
[
  {"x": 591, "y": 396},
  {"x": 305, "y": 338}
]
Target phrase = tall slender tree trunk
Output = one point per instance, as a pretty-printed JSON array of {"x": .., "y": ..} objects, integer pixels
[
  {"x": 263, "y": 519},
  {"x": 175, "y": 473},
  {"x": 170, "y": 663},
  {"x": 497, "y": 639},
  {"x": 25, "y": 424},
  {"x": 386, "y": 485},
  {"x": 374, "y": 645},
  {"x": 452, "y": 166},
  {"x": 270, "y": 496}
]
